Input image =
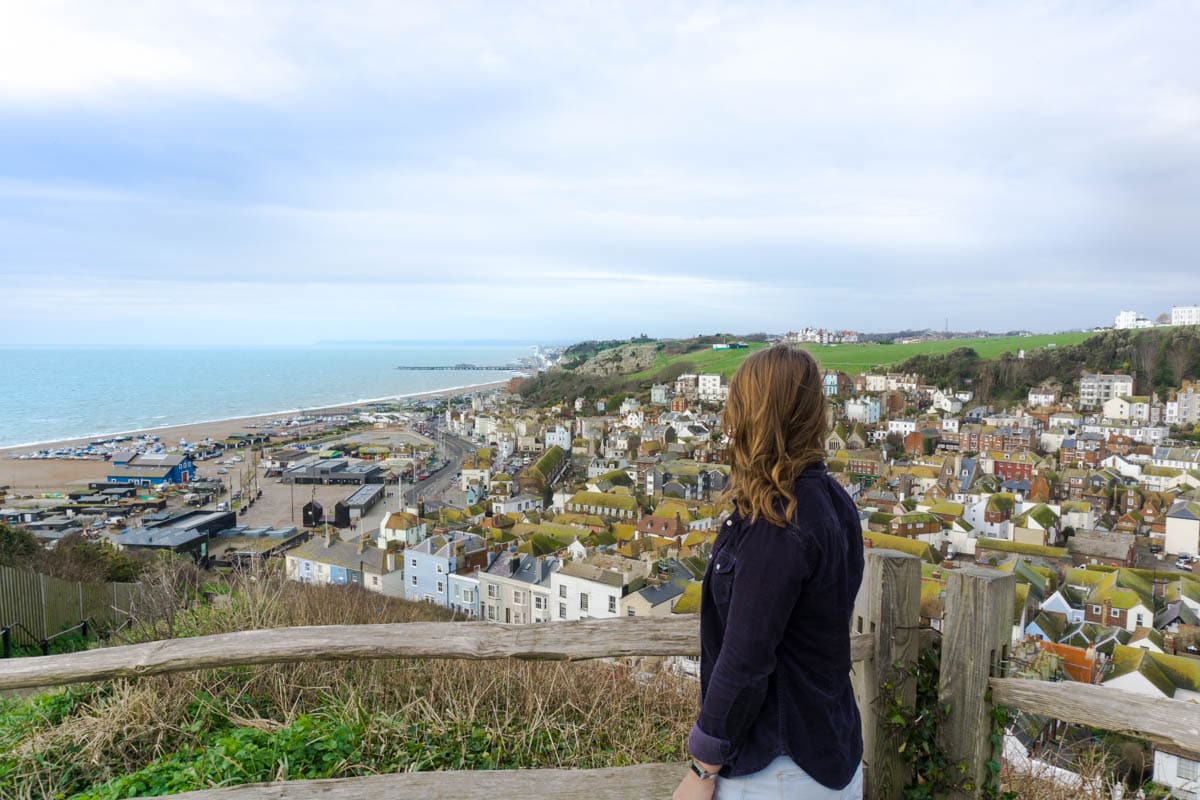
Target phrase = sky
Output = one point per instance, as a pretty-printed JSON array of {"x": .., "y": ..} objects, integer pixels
[{"x": 287, "y": 172}]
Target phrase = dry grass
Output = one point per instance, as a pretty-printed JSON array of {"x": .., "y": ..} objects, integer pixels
[
  {"x": 593, "y": 714},
  {"x": 1091, "y": 776}
]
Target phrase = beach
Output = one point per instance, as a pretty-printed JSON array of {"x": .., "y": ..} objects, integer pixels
[{"x": 35, "y": 476}]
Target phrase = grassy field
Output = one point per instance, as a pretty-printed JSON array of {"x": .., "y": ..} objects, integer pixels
[{"x": 857, "y": 358}]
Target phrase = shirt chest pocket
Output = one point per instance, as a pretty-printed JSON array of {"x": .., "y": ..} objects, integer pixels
[{"x": 723, "y": 571}]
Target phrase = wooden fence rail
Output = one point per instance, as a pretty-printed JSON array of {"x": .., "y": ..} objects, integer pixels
[
  {"x": 884, "y": 638},
  {"x": 562, "y": 641}
]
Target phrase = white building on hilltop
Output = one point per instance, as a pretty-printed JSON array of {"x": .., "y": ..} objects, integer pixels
[
  {"x": 1185, "y": 315},
  {"x": 1131, "y": 319}
]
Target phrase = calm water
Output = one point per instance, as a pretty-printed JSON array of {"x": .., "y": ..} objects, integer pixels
[{"x": 60, "y": 393}]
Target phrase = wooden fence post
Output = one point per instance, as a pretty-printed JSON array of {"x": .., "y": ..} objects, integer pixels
[
  {"x": 975, "y": 639},
  {"x": 888, "y": 607}
]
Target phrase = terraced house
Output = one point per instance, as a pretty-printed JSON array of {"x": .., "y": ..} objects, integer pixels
[
  {"x": 430, "y": 562},
  {"x": 613, "y": 506},
  {"x": 515, "y": 588}
]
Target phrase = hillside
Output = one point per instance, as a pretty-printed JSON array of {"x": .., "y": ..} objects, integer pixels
[
  {"x": 1158, "y": 358},
  {"x": 604, "y": 369}
]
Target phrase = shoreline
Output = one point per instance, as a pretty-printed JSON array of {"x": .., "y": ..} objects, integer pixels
[{"x": 198, "y": 430}]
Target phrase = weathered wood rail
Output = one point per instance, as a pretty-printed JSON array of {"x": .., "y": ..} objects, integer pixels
[{"x": 885, "y": 639}]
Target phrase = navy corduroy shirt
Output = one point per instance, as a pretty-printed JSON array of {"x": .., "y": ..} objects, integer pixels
[{"x": 775, "y": 615}]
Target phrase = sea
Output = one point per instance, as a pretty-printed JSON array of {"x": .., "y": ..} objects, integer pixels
[{"x": 53, "y": 393}]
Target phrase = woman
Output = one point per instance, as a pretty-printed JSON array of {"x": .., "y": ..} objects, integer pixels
[{"x": 777, "y": 713}]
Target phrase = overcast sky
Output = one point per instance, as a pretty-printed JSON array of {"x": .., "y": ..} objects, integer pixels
[{"x": 239, "y": 172}]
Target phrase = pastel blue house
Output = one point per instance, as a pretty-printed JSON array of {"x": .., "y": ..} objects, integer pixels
[
  {"x": 429, "y": 564},
  {"x": 1047, "y": 625},
  {"x": 1065, "y": 601},
  {"x": 464, "y": 594}
]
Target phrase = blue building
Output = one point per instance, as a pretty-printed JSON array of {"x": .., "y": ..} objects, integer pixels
[
  {"x": 464, "y": 594},
  {"x": 151, "y": 469},
  {"x": 429, "y": 563}
]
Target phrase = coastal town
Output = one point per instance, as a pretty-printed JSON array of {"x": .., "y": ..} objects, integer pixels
[{"x": 498, "y": 509}]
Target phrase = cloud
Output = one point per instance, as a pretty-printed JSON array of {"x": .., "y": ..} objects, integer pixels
[{"x": 773, "y": 164}]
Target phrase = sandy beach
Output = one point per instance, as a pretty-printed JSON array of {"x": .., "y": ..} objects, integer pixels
[{"x": 44, "y": 475}]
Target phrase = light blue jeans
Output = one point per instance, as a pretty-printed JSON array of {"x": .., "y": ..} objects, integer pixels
[{"x": 783, "y": 779}]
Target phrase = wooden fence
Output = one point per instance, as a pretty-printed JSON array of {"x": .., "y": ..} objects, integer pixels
[
  {"x": 44, "y": 605},
  {"x": 885, "y": 638}
]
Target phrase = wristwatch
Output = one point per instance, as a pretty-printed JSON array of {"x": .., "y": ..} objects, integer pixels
[{"x": 701, "y": 773}]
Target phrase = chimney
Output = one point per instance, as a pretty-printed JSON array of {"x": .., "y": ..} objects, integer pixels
[
  {"x": 389, "y": 561},
  {"x": 1160, "y": 588},
  {"x": 329, "y": 538},
  {"x": 421, "y": 507},
  {"x": 362, "y": 545}
]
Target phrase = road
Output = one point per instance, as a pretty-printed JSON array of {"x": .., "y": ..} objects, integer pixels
[{"x": 435, "y": 486}]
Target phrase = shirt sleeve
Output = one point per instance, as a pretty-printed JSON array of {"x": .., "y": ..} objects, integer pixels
[{"x": 771, "y": 567}]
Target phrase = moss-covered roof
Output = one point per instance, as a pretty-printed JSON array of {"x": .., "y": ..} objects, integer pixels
[
  {"x": 689, "y": 601},
  {"x": 1005, "y": 546},
  {"x": 1001, "y": 501},
  {"x": 916, "y": 547},
  {"x": 605, "y": 500}
]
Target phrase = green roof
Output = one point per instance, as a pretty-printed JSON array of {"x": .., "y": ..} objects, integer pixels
[
  {"x": 689, "y": 601},
  {"x": 1005, "y": 546},
  {"x": 1001, "y": 501},
  {"x": 915, "y": 547},
  {"x": 604, "y": 500}
]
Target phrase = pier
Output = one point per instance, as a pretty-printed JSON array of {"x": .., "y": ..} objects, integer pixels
[{"x": 471, "y": 367}]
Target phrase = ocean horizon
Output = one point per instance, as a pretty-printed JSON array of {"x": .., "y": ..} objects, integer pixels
[{"x": 50, "y": 393}]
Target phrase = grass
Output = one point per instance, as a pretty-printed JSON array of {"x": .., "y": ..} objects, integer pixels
[
  {"x": 194, "y": 730},
  {"x": 854, "y": 359}
]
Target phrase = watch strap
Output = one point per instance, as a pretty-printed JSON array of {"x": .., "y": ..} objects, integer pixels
[{"x": 701, "y": 773}]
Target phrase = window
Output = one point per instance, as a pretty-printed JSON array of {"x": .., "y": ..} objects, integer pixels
[
  {"x": 414, "y": 580},
  {"x": 492, "y": 593},
  {"x": 440, "y": 587},
  {"x": 1114, "y": 613},
  {"x": 562, "y": 590},
  {"x": 583, "y": 601},
  {"x": 491, "y": 613},
  {"x": 630, "y": 612},
  {"x": 468, "y": 595},
  {"x": 612, "y": 604},
  {"x": 539, "y": 602},
  {"x": 518, "y": 596},
  {"x": 1186, "y": 769},
  {"x": 375, "y": 582},
  {"x": 1097, "y": 610},
  {"x": 1141, "y": 620},
  {"x": 412, "y": 562},
  {"x": 439, "y": 569},
  {"x": 562, "y": 610},
  {"x": 428, "y": 598}
]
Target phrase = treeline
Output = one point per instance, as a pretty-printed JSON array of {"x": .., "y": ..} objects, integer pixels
[
  {"x": 1159, "y": 359},
  {"x": 72, "y": 559},
  {"x": 564, "y": 385}
]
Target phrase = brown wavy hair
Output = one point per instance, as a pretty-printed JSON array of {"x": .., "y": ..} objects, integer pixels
[{"x": 776, "y": 421}]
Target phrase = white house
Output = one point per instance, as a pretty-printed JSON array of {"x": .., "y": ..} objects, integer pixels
[
  {"x": 1096, "y": 389},
  {"x": 947, "y": 402},
  {"x": 560, "y": 436},
  {"x": 1185, "y": 315},
  {"x": 1179, "y": 771},
  {"x": 1127, "y": 408},
  {"x": 1183, "y": 528},
  {"x": 1042, "y": 397},
  {"x": 709, "y": 388},
  {"x": 401, "y": 526},
  {"x": 902, "y": 426}
]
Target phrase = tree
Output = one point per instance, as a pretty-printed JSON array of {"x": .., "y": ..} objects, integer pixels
[
  {"x": 670, "y": 436},
  {"x": 1163, "y": 319}
]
